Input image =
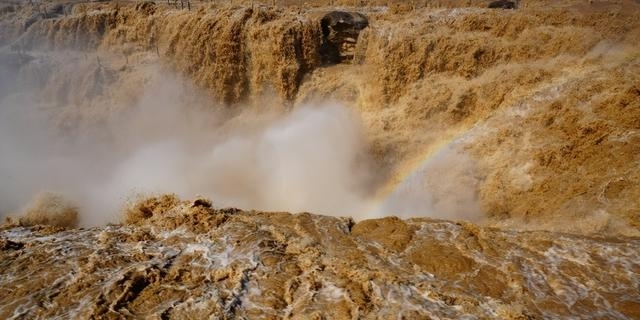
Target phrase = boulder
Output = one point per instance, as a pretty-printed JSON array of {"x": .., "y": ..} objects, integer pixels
[
  {"x": 340, "y": 30},
  {"x": 502, "y": 4}
]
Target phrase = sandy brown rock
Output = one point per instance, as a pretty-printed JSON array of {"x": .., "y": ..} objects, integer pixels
[
  {"x": 278, "y": 265},
  {"x": 538, "y": 97},
  {"x": 544, "y": 100}
]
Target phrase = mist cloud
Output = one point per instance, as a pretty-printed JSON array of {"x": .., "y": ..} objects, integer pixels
[
  {"x": 443, "y": 186},
  {"x": 312, "y": 158}
]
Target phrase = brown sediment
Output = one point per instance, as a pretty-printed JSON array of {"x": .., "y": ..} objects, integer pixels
[
  {"x": 289, "y": 266},
  {"x": 541, "y": 95},
  {"x": 541, "y": 103}
]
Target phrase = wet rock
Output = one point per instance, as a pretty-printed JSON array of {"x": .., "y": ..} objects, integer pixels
[
  {"x": 55, "y": 10},
  {"x": 187, "y": 262},
  {"x": 502, "y": 4},
  {"x": 340, "y": 31},
  {"x": 202, "y": 202},
  {"x": 6, "y": 244}
]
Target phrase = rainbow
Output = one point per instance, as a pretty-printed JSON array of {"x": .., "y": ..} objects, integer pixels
[{"x": 415, "y": 165}]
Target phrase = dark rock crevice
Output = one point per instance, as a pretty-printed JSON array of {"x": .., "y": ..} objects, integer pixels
[
  {"x": 340, "y": 31},
  {"x": 503, "y": 4}
]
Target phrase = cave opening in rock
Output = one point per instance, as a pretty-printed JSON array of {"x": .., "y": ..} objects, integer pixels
[{"x": 340, "y": 31}]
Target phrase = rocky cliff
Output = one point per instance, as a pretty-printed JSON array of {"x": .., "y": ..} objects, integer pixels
[{"x": 469, "y": 162}]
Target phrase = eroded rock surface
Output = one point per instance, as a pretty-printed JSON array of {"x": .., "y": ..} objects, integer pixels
[
  {"x": 186, "y": 261},
  {"x": 543, "y": 101}
]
